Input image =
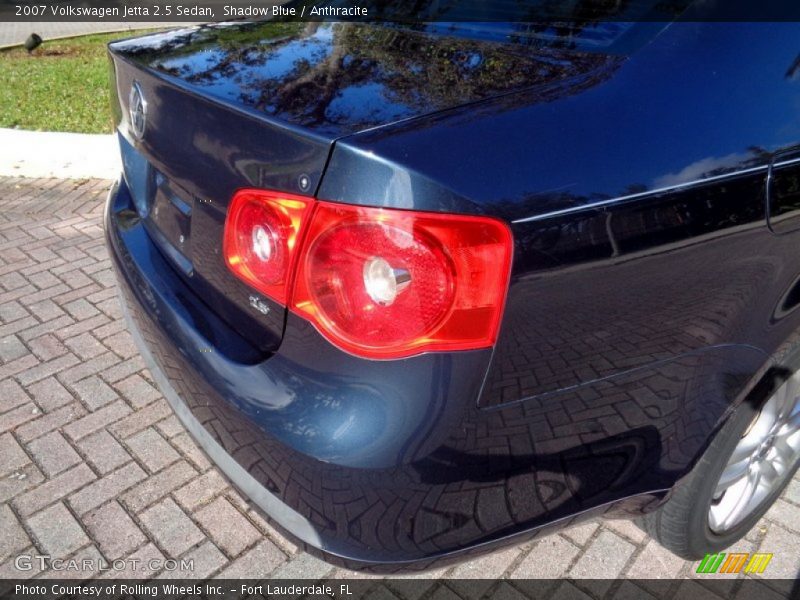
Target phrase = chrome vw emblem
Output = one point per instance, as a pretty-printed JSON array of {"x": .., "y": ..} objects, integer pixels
[{"x": 137, "y": 110}]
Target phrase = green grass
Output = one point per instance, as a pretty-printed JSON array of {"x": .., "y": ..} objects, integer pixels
[{"x": 62, "y": 86}]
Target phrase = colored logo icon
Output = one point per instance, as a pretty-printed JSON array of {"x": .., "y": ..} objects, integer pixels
[{"x": 734, "y": 563}]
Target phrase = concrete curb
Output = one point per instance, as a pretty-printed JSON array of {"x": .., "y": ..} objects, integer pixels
[
  {"x": 64, "y": 37},
  {"x": 61, "y": 155},
  {"x": 151, "y": 27}
]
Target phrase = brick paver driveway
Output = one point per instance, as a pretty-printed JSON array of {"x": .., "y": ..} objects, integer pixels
[{"x": 93, "y": 464}]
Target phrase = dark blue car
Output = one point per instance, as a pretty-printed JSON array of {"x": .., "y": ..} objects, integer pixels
[{"x": 420, "y": 291}]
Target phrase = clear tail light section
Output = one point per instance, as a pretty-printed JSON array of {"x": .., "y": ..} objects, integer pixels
[{"x": 378, "y": 283}]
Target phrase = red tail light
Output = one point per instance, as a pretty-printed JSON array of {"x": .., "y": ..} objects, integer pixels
[
  {"x": 261, "y": 234},
  {"x": 383, "y": 283}
]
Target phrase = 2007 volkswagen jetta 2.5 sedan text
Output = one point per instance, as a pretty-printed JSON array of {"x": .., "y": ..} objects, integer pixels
[{"x": 421, "y": 292}]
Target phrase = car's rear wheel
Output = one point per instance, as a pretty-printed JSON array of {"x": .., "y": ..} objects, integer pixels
[{"x": 746, "y": 467}]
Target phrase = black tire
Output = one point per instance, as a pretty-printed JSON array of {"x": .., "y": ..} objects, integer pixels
[{"x": 681, "y": 524}]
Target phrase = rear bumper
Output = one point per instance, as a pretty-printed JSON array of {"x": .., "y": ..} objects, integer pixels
[
  {"x": 281, "y": 513},
  {"x": 391, "y": 464},
  {"x": 307, "y": 434}
]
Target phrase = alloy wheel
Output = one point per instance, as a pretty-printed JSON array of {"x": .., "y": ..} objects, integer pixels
[{"x": 762, "y": 460}]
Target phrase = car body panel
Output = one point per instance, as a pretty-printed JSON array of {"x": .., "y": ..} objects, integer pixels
[
  {"x": 649, "y": 295},
  {"x": 336, "y": 79},
  {"x": 604, "y": 181},
  {"x": 657, "y": 120}
]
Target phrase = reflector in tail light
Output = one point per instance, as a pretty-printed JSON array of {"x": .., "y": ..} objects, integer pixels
[
  {"x": 261, "y": 234},
  {"x": 383, "y": 283}
]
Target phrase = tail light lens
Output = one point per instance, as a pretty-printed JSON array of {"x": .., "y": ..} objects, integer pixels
[
  {"x": 382, "y": 283},
  {"x": 261, "y": 234}
]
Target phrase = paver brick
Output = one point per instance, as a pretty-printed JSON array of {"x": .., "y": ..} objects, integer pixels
[
  {"x": 631, "y": 591},
  {"x": 170, "y": 427},
  {"x": 11, "y": 348},
  {"x": 53, "y": 453},
  {"x": 49, "y": 394},
  {"x": 47, "y": 347},
  {"x": 787, "y": 515},
  {"x": 655, "y": 562},
  {"x": 12, "y": 456},
  {"x": 89, "y": 556},
  {"x": 8, "y": 569},
  {"x": 303, "y": 566},
  {"x": 103, "y": 452},
  {"x": 45, "y": 328},
  {"x": 106, "y": 331},
  {"x": 12, "y": 280},
  {"x": 22, "y": 414},
  {"x": 229, "y": 529},
  {"x": 765, "y": 592},
  {"x": 82, "y": 326},
  {"x": 508, "y": 592},
  {"x": 171, "y": 528},
  {"x": 191, "y": 450},
  {"x": 11, "y": 311},
  {"x": 138, "y": 564},
  {"x": 604, "y": 558},
  {"x": 19, "y": 481},
  {"x": 121, "y": 343},
  {"x": 141, "y": 419},
  {"x": 76, "y": 279},
  {"x": 53, "y": 489},
  {"x": 46, "y": 309},
  {"x": 205, "y": 559},
  {"x": 49, "y": 421},
  {"x": 137, "y": 391},
  {"x": 121, "y": 370},
  {"x": 11, "y": 395},
  {"x": 46, "y": 369},
  {"x": 569, "y": 591},
  {"x": 80, "y": 309},
  {"x": 625, "y": 528},
  {"x": 201, "y": 490},
  {"x": 17, "y": 326},
  {"x": 13, "y": 537},
  {"x": 107, "y": 487},
  {"x": 113, "y": 530},
  {"x": 696, "y": 591},
  {"x": 417, "y": 585},
  {"x": 560, "y": 554},
  {"x": 256, "y": 517},
  {"x": 97, "y": 420},
  {"x": 157, "y": 486},
  {"x": 87, "y": 368},
  {"x": 581, "y": 534},
  {"x": 43, "y": 279},
  {"x": 17, "y": 293},
  {"x": 85, "y": 346},
  {"x": 472, "y": 579},
  {"x": 785, "y": 547},
  {"x": 258, "y": 562},
  {"x": 152, "y": 449},
  {"x": 94, "y": 392},
  {"x": 18, "y": 365},
  {"x": 57, "y": 531}
]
